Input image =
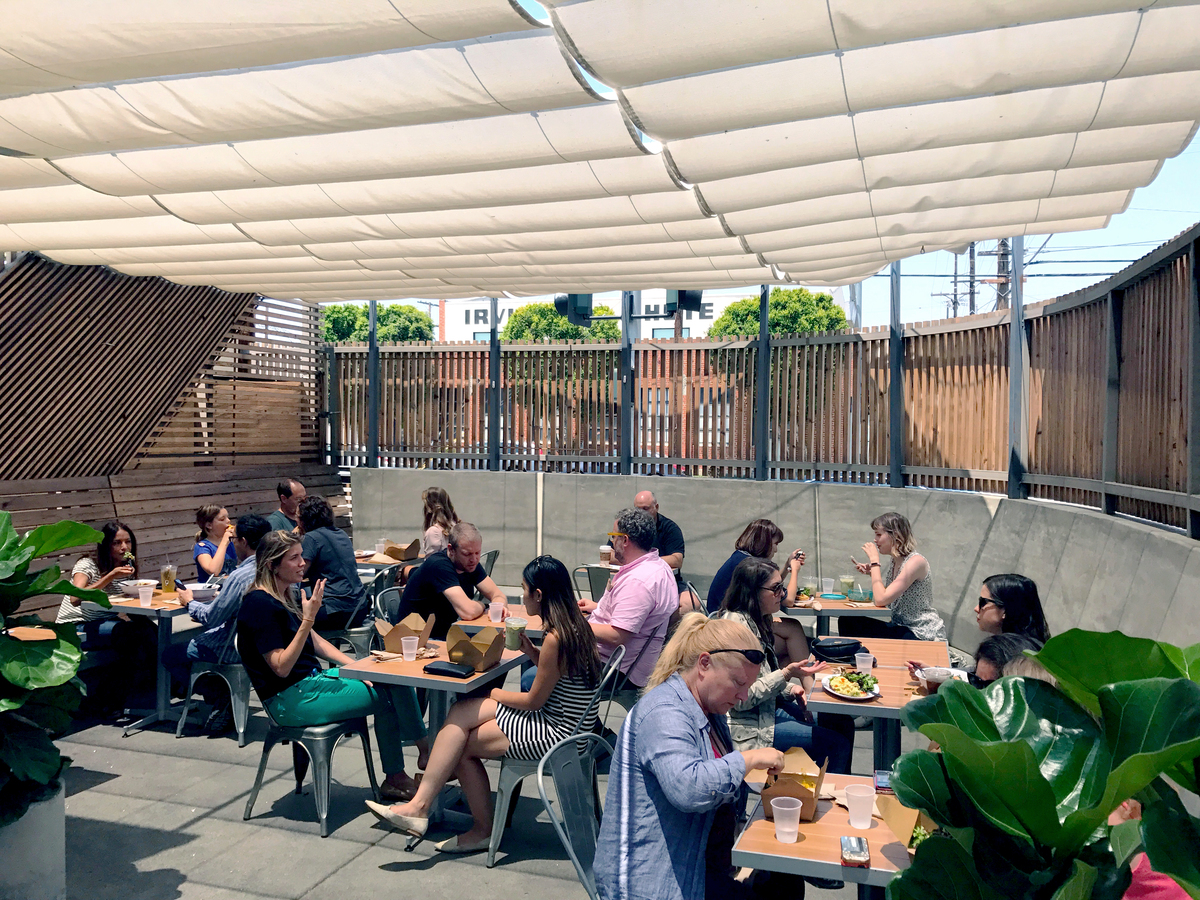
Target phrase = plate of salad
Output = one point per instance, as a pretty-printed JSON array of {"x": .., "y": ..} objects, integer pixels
[{"x": 852, "y": 686}]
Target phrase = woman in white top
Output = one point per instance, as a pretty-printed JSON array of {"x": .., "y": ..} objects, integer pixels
[
  {"x": 907, "y": 588},
  {"x": 439, "y": 519}
]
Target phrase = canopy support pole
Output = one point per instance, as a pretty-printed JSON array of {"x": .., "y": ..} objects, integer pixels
[
  {"x": 896, "y": 385},
  {"x": 1193, "y": 390},
  {"x": 628, "y": 414},
  {"x": 372, "y": 389},
  {"x": 493, "y": 407},
  {"x": 1018, "y": 377},
  {"x": 762, "y": 385}
]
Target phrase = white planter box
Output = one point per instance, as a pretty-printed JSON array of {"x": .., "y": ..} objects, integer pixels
[{"x": 33, "y": 853}]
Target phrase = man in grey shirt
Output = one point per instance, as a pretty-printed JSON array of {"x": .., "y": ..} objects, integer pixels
[{"x": 290, "y": 492}]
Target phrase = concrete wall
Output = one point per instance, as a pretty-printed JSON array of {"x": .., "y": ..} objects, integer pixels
[{"x": 1094, "y": 571}]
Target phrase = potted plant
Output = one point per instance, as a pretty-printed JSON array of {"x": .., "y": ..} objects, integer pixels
[
  {"x": 1026, "y": 775},
  {"x": 38, "y": 695}
]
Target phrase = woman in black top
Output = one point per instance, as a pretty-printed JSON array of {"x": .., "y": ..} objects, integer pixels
[
  {"x": 330, "y": 557},
  {"x": 760, "y": 539},
  {"x": 281, "y": 653}
]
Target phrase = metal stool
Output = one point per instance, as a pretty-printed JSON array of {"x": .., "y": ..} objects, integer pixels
[{"x": 234, "y": 675}]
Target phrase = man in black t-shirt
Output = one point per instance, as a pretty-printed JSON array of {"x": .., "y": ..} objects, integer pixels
[
  {"x": 445, "y": 583},
  {"x": 669, "y": 544}
]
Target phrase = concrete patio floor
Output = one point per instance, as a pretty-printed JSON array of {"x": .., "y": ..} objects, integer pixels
[{"x": 155, "y": 818}]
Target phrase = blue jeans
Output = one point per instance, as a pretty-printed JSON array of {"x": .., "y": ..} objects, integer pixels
[{"x": 816, "y": 741}]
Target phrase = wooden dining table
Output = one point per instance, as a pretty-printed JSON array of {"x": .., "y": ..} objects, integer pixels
[
  {"x": 897, "y": 688},
  {"x": 534, "y": 628},
  {"x": 832, "y": 609},
  {"x": 817, "y": 852},
  {"x": 163, "y": 608}
]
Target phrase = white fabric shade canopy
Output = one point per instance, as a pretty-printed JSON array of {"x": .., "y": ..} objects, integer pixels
[{"x": 408, "y": 149}]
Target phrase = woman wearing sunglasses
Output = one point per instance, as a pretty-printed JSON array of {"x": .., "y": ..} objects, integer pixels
[
  {"x": 675, "y": 773},
  {"x": 773, "y": 713},
  {"x": 1008, "y": 604}
]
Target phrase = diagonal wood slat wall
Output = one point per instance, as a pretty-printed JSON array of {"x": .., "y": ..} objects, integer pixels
[{"x": 90, "y": 360}]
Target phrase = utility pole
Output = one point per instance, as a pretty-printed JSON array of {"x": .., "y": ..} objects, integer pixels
[
  {"x": 971, "y": 307},
  {"x": 952, "y": 295},
  {"x": 1003, "y": 274}
]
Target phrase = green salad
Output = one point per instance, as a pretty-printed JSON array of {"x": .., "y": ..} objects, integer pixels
[{"x": 863, "y": 680}]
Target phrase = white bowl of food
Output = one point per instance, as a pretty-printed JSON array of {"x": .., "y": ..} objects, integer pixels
[
  {"x": 201, "y": 591},
  {"x": 931, "y": 677},
  {"x": 130, "y": 588}
]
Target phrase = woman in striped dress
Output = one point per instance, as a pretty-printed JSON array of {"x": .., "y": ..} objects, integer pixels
[{"x": 511, "y": 723}]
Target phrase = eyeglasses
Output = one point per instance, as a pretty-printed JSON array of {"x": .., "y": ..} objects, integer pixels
[
  {"x": 984, "y": 601},
  {"x": 755, "y": 656},
  {"x": 975, "y": 681},
  {"x": 616, "y": 534},
  {"x": 777, "y": 589}
]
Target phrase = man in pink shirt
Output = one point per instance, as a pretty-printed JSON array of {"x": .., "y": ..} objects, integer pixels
[{"x": 639, "y": 601}]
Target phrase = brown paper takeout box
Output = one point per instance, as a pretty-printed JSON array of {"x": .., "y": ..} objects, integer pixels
[
  {"x": 901, "y": 820},
  {"x": 801, "y": 778},
  {"x": 402, "y": 552},
  {"x": 411, "y": 625},
  {"x": 481, "y": 652}
]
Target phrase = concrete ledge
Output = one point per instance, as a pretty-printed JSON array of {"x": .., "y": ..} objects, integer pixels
[{"x": 1093, "y": 571}]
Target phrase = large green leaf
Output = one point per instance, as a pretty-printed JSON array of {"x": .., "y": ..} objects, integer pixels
[
  {"x": 27, "y": 751},
  {"x": 1085, "y": 661},
  {"x": 52, "y": 708},
  {"x": 942, "y": 870},
  {"x": 1065, "y": 740},
  {"x": 1079, "y": 885},
  {"x": 8, "y": 543},
  {"x": 14, "y": 560},
  {"x": 1171, "y": 837},
  {"x": 1149, "y": 726},
  {"x": 60, "y": 536},
  {"x": 1126, "y": 840},
  {"x": 39, "y": 664},
  {"x": 919, "y": 781},
  {"x": 1003, "y": 782}
]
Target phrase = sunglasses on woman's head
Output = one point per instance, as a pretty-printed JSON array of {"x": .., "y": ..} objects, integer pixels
[{"x": 755, "y": 656}]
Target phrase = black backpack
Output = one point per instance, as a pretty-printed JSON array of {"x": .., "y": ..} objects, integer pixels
[{"x": 835, "y": 649}]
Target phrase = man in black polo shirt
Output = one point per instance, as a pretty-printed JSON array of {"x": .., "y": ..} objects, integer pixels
[
  {"x": 445, "y": 583},
  {"x": 669, "y": 544}
]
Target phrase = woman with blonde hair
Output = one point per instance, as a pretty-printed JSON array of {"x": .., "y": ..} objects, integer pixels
[
  {"x": 213, "y": 551},
  {"x": 281, "y": 653},
  {"x": 675, "y": 774},
  {"x": 907, "y": 588},
  {"x": 439, "y": 519}
]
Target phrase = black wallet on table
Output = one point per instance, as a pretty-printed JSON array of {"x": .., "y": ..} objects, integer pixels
[{"x": 452, "y": 670}]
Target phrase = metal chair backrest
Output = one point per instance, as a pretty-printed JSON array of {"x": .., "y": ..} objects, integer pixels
[
  {"x": 608, "y": 673},
  {"x": 574, "y": 814},
  {"x": 598, "y": 579},
  {"x": 384, "y": 578},
  {"x": 387, "y": 604},
  {"x": 489, "y": 561}
]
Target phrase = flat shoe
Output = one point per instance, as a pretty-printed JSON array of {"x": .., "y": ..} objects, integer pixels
[
  {"x": 414, "y": 825},
  {"x": 451, "y": 845},
  {"x": 403, "y": 794}
]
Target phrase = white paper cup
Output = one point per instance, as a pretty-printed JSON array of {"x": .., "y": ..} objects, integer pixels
[
  {"x": 606, "y": 554},
  {"x": 860, "y": 800},
  {"x": 496, "y": 612},
  {"x": 864, "y": 661},
  {"x": 408, "y": 647},
  {"x": 380, "y": 546},
  {"x": 787, "y": 819},
  {"x": 145, "y": 594},
  {"x": 826, "y": 585}
]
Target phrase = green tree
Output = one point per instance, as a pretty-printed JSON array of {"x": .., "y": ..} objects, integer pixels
[
  {"x": 536, "y": 321},
  {"x": 789, "y": 311},
  {"x": 400, "y": 322},
  {"x": 395, "y": 322},
  {"x": 343, "y": 322}
]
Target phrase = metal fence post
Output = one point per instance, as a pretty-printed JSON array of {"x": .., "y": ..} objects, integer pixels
[
  {"x": 1112, "y": 396},
  {"x": 333, "y": 407},
  {"x": 1018, "y": 369},
  {"x": 627, "y": 411},
  {"x": 493, "y": 429},
  {"x": 372, "y": 390},
  {"x": 896, "y": 386},
  {"x": 762, "y": 385},
  {"x": 1193, "y": 387}
]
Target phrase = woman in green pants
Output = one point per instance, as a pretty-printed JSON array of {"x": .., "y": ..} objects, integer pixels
[{"x": 280, "y": 651}]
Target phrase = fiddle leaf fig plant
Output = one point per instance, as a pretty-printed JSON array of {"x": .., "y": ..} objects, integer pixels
[
  {"x": 38, "y": 662},
  {"x": 1025, "y": 778}
]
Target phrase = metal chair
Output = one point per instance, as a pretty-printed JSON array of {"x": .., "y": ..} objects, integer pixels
[
  {"x": 387, "y": 604},
  {"x": 575, "y": 815},
  {"x": 488, "y": 561},
  {"x": 514, "y": 771},
  {"x": 315, "y": 744},
  {"x": 235, "y": 676},
  {"x": 598, "y": 579}
]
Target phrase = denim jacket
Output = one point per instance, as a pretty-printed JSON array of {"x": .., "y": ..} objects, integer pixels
[
  {"x": 215, "y": 643},
  {"x": 664, "y": 784}
]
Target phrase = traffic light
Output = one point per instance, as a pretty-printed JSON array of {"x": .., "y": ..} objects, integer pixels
[
  {"x": 677, "y": 300},
  {"x": 576, "y": 307}
]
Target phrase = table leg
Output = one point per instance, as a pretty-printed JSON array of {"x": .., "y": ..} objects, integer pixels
[
  {"x": 871, "y": 892},
  {"x": 439, "y": 708},
  {"x": 162, "y": 683},
  {"x": 822, "y": 625},
  {"x": 887, "y": 743}
]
